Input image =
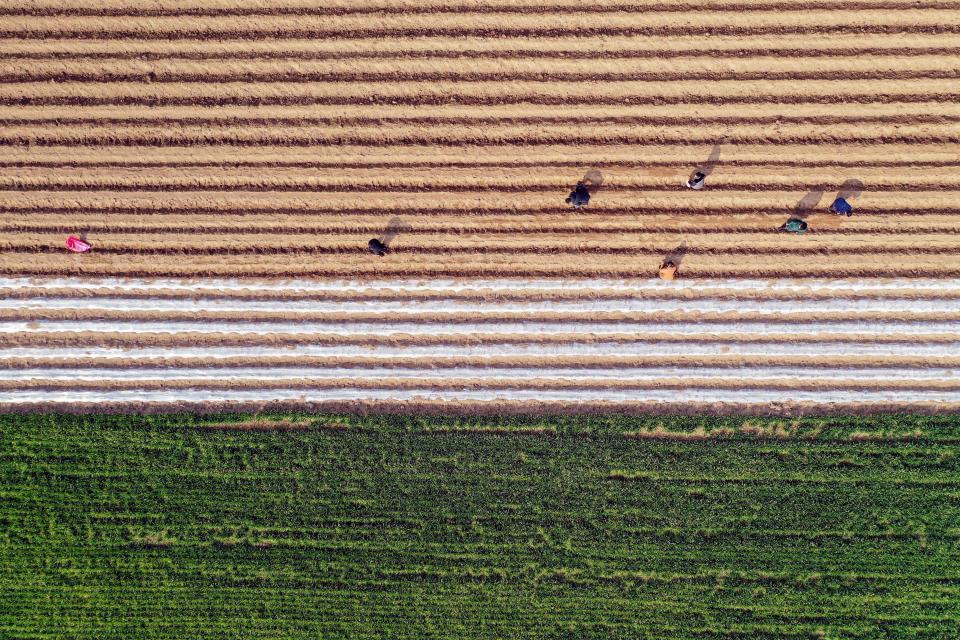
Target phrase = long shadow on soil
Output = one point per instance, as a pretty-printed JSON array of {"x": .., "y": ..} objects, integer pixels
[
  {"x": 676, "y": 256},
  {"x": 850, "y": 189},
  {"x": 809, "y": 202},
  {"x": 712, "y": 161},
  {"x": 395, "y": 227}
]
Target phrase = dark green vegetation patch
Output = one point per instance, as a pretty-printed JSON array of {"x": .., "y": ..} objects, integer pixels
[{"x": 392, "y": 527}]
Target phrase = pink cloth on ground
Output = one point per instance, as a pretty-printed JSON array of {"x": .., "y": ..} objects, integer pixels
[{"x": 77, "y": 245}]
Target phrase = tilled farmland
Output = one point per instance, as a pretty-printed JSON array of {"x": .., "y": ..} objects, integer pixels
[{"x": 229, "y": 163}]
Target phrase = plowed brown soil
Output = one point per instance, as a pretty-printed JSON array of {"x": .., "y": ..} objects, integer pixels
[
  {"x": 210, "y": 138},
  {"x": 271, "y": 140}
]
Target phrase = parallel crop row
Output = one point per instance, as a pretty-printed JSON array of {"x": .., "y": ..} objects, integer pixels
[{"x": 799, "y": 528}]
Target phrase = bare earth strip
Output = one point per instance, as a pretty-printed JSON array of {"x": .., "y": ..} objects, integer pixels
[
  {"x": 767, "y": 67},
  {"x": 481, "y": 92},
  {"x": 825, "y": 45},
  {"x": 530, "y": 264},
  {"x": 507, "y": 23},
  {"x": 511, "y": 181},
  {"x": 257, "y": 7},
  {"x": 935, "y": 130},
  {"x": 359, "y": 114},
  {"x": 342, "y": 7},
  {"x": 609, "y": 156}
]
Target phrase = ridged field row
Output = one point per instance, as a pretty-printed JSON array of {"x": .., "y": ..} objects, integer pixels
[{"x": 277, "y": 139}]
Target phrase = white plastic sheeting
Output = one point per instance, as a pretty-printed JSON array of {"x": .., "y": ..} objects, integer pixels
[{"x": 910, "y": 335}]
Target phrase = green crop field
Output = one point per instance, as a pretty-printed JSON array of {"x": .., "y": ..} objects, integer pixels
[{"x": 395, "y": 527}]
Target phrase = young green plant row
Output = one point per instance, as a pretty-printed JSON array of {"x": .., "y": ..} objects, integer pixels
[{"x": 414, "y": 527}]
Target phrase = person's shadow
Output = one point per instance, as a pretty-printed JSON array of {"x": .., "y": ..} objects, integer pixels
[
  {"x": 712, "y": 161},
  {"x": 850, "y": 189},
  {"x": 676, "y": 256},
  {"x": 381, "y": 245},
  {"x": 809, "y": 202},
  {"x": 395, "y": 227},
  {"x": 592, "y": 179}
]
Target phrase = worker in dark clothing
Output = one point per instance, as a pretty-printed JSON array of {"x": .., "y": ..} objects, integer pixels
[
  {"x": 840, "y": 207},
  {"x": 668, "y": 270},
  {"x": 579, "y": 197},
  {"x": 794, "y": 225},
  {"x": 377, "y": 247},
  {"x": 697, "y": 181}
]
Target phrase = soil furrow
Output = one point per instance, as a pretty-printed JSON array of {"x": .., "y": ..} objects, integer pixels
[
  {"x": 463, "y": 99},
  {"x": 414, "y": 134},
  {"x": 359, "y": 114},
  {"x": 581, "y": 157},
  {"x": 427, "y": 69},
  {"x": 174, "y": 139},
  {"x": 772, "y": 212},
  {"x": 768, "y": 227},
  {"x": 479, "y": 294},
  {"x": 930, "y": 183},
  {"x": 652, "y": 212},
  {"x": 486, "y": 305},
  {"x": 465, "y": 23},
  {"x": 47, "y": 10},
  {"x": 433, "y": 385},
  {"x": 207, "y": 340},
  {"x": 824, "y": 47},
  {"x": 620, "y": 177},
  {"x": 626, "y": 202},
  {"x": 33, "y": 30},
  {"x": 488, "y": 319},
  {"x": 768, "y": 269},
  {"x": 521, "y": 251},
  {"x": 279, "y": 369},
  {"x": 467, "y": 93},
  {"x": 242, "y": 121},
  {"x": 25, "y": 76},
  {"x": 67, "y": 163},
  {"x": 499, "y": 54}
]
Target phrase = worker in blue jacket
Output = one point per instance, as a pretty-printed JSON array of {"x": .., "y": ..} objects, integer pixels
[
  {"x": 840, "y": 207},
  {"x": 580, "y": 196}
]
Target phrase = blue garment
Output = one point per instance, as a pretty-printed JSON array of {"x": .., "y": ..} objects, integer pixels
[
  {"x": 579, "y": 196},
  {"x": 841, "y": 206}
]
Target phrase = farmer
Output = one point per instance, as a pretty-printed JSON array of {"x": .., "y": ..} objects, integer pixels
[
  {"x": 377, "y": 247},
  {"x": 697, "y": 181},
  {"x": 579, "y": 197},
  {"x": 840, "y": 206},
  {"x": 794, "y": 225},
  {"x": 78, "y": 245},
  {"x": 668, "y": 270}
]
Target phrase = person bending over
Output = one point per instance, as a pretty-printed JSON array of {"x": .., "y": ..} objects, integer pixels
[{"x": 579, "y": 197}]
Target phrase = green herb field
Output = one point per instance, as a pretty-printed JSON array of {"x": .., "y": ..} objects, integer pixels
[{"x": 304, "y": 526}]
